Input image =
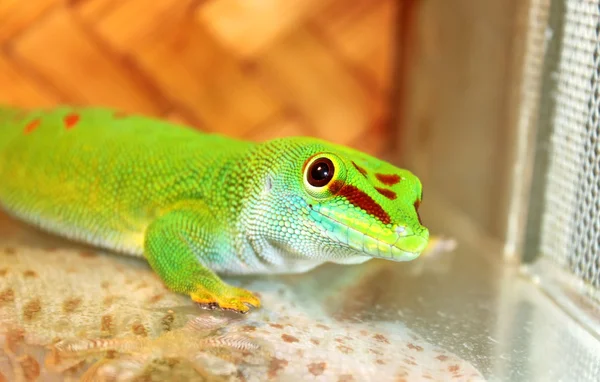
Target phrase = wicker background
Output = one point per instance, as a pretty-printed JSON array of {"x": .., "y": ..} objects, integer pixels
[{"x": 250, "y": 68}]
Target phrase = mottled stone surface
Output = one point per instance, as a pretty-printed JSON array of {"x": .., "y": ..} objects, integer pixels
[{"x": 68, "y": 312}]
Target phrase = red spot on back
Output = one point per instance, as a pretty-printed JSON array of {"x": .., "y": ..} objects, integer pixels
[
  {"x": 71, "y": 120},
  {"x": 360, "y": 169},
  {"x": 364, "y": 201},
  {"x": 388, "y": 179},
  {"x": 391, "y": 195},
  {"x": 31, "y": 126}
]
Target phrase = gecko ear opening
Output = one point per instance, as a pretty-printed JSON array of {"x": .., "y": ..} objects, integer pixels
[{"x": 268, "y": 184}]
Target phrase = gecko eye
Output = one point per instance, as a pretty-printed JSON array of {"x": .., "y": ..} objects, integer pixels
[
  {"x": 324, "y": 175},
  {"x": 320, "y": 172}
]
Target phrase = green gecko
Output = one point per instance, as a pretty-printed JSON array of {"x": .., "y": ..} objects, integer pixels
[{"x": 199, "y": 205}]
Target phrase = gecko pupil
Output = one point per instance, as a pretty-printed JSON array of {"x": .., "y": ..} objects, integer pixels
[{"x": 320, "y": 172}]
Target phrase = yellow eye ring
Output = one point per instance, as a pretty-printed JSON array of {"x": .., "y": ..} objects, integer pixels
[{"x": 324, "y": 173}]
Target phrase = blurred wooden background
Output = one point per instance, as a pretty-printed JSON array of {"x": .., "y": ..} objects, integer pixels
[
  {"x": 430, "y": 85},
  {"x": 249, "y": 68}
]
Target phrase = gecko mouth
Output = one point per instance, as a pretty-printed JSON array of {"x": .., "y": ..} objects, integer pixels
[{"x": 376, "y": 242}]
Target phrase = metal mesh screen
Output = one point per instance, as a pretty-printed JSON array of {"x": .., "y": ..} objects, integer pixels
[{"x": 571, "y": 218}]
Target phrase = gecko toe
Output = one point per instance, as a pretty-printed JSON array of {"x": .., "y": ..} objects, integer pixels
[{"x": 233, "y": 299}]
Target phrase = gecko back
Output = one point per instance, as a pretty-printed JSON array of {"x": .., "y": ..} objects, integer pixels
[{"x": 101, "y": 177}]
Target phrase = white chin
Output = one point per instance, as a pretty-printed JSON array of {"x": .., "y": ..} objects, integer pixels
[{"x": 352, "y": 260}]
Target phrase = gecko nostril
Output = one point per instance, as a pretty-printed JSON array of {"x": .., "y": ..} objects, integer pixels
[{"x": 400, "y": 230}]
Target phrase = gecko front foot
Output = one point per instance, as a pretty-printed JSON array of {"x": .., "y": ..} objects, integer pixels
[
  {"x": 167, "y": 249},
  {"x": 228, "y": 298}
]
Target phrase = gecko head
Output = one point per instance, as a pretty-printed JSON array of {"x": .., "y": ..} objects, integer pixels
[{"x": 344, "y": 204}]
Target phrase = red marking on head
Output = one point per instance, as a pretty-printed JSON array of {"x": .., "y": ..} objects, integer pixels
[
  {"x": 335, "y": 186},
  {"x": 388, "y": 179},
  {"x": 31, "y": 126},
  {"x": 364, "y": 201},
  {"x": 360, "y": 169},
  {"x": 391, "y": 195},
  {"x": 71, "y": 120}
]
